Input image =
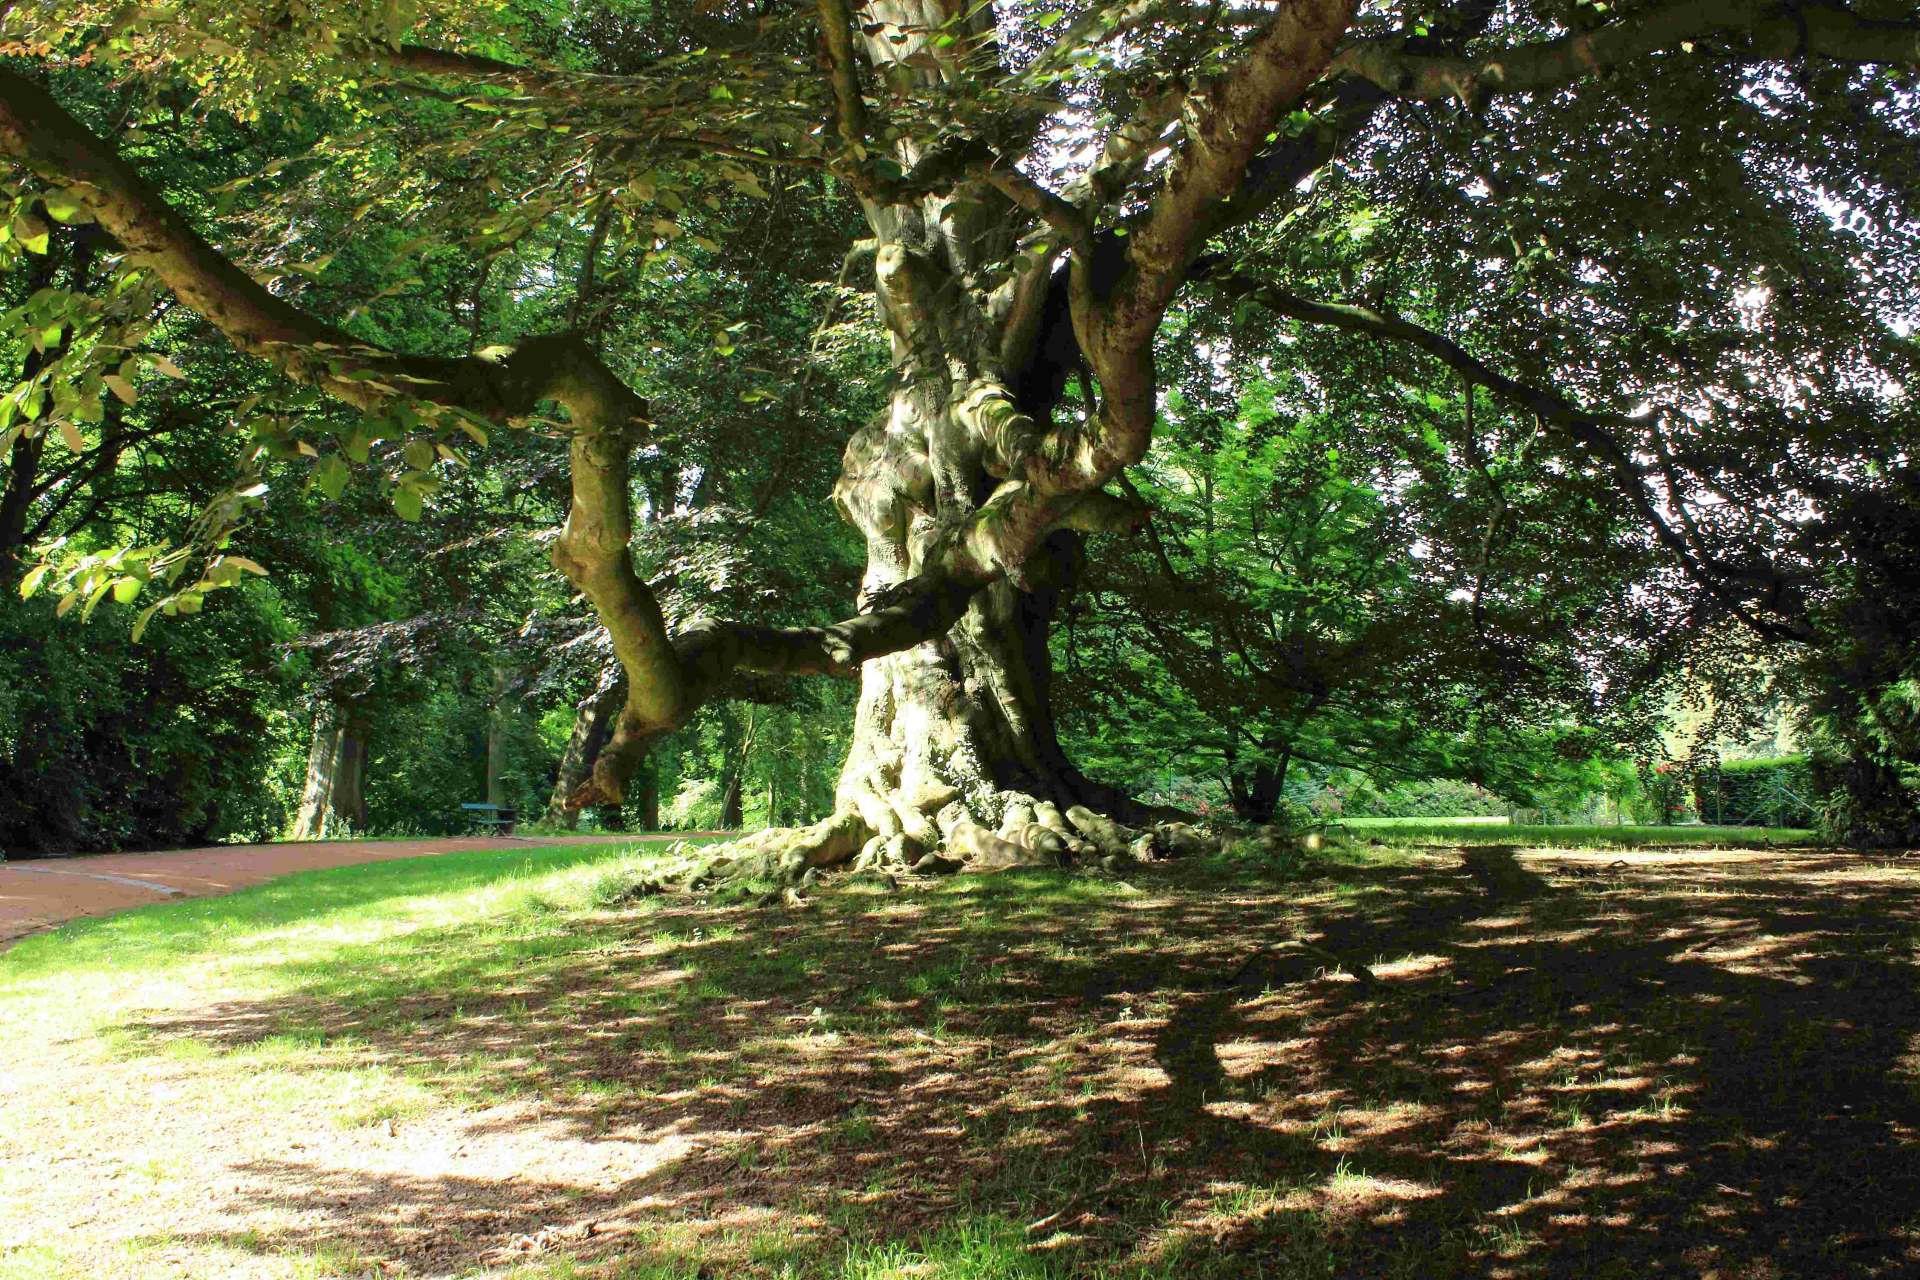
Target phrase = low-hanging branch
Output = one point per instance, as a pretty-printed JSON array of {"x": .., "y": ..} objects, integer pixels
[
  {"x": 669, "y": 677},
  {"x": 38, "y": 132},
  {"x": 1767, "y": 588}
]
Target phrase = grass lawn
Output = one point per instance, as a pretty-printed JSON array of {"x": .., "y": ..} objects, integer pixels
[
  {"x": 1462, "y": 832},
  {"x": 486, "y": 1064},
  {"x": 1369, "y": 823}
]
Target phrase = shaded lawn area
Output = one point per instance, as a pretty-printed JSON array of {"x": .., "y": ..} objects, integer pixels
[{"x": 482, "y": 1064}]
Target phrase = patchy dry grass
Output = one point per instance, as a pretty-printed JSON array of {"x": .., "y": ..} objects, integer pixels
[{"x": 1567, "y": 1064}]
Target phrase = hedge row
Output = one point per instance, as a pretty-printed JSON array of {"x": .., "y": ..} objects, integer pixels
[{"x": 1777, "y": 792}]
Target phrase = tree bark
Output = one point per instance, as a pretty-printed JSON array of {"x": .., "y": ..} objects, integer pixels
[
  {"x": 497, "y": 724},
  {"x": 1255, "y": 789},
  {"x": 17, "y": 494},
  {"x": 736, "y": 749},
  {"x": 333, "y": 799},
  {"x": 592, "y": 726},
  {"x": 18, "y": 491},
  {"x": 646, "y": 789}
]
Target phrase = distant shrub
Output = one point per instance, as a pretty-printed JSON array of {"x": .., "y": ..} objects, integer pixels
[
  {"x": 1867, "y": 801},
  {"x": 107, "y": 744},
  {"x": 1775, "y": 792},
  {"x": 695, "y": 806},
  {"x": 1667, "y": 796}
]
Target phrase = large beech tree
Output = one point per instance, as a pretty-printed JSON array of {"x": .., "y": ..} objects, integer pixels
[{"x": 1040, "y": 184}]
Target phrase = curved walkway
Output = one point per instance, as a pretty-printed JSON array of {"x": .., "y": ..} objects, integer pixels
[{"x": 39, "y": 893}]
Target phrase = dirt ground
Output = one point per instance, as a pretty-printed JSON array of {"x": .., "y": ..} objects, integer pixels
[{"x": 39, "y": 893}]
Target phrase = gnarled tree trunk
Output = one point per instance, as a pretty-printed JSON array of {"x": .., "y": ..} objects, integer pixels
[
  {"x": 955, "y": 760},
  {"x": 955, "y": 745}
]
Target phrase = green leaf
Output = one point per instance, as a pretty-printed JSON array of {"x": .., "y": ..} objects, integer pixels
[
  {"x": 64, "y": 206},
  {"x": 95, "y": 596},
  {"x": 330, "y": 477},
  {"x": 71, "y": 434},
  {"x": 126, "y": 589},
  {"x": 419, "y": 454},
  {"x": 31, "y": 583},
  {"x": 31, "y": 233},
  {"x": 408, "y": 503},
  {"x": 140, "y": 623}
]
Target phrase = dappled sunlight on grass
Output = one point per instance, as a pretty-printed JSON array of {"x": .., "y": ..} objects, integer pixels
[{"x": 1551, "y": 1068}]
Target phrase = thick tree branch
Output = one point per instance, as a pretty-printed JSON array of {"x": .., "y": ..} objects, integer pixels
[
  {"x": 850, "y": 109},
  {"x": 1066, "y": 219},
  {"x": 44, "y": 137},
  {"x": 921, "y": 610},
  {"x": 1276, "y": 172},
  {"x": 705, "y": 656},
  {"x": 1226, "y": 124},
  {"x": 1765, "y": 31},
  {"x": 1590, "y": 431},
  {"x": 469, "y": 66}
]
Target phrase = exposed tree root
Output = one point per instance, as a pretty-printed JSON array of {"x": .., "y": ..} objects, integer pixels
[
  {"x": 779, "y": 856},
  {"x": 948, "y": 838}
]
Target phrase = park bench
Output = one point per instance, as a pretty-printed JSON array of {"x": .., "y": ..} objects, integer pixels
[{"x": 491, "y": 819}]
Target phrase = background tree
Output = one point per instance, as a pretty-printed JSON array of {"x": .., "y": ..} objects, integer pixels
[{"x": 1315, "y": 598}]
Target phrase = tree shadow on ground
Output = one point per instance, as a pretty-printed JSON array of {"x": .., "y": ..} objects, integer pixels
[{"x": 1686, "y": 1066}]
